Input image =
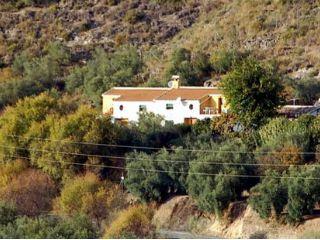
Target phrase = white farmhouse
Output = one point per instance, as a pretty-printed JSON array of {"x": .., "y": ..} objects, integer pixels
[{"x": 176, "y": 103}]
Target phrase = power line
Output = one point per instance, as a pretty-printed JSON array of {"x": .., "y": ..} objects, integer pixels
[
  {"x": 158, "y": 148},
  {"x": 181, "y": 172},
  {"x": 163, "y": 160}
]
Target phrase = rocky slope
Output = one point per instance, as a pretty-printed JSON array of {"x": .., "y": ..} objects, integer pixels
[
  {"x": 287, "y": 31},
  {"x": 85, "y": 25},
  {"x": 181, "y": 214}
]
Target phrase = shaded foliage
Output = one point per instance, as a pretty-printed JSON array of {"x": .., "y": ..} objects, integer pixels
[
  {"x": 166, "y": 175},
  {"x": 105, "y": 71},
  {"x": 8, "y": 213},
  {"x": 191, "y": 68},
  {"x": 270, "y": 196},
  {"x": 34, "y": 74},
  {"x": 49, "y": 228},
  {"x": 212, "y": 190}
]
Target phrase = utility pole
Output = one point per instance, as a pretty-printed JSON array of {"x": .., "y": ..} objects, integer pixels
[{"x": 122, "y": 183}]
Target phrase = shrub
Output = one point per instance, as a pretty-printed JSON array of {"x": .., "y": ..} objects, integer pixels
[
  {"x": 11, "y": 169},
  {"x": 282, "y": 141},
  {"x": 90, "y": 196},
  {"x": 113, "y": 2},
  {"x": 49, "y": 228},
  {"x": 31, "y": 192},
  {"x": 8, "y": 213},
  {"x": 223, "y": 61},
  {"x": 224, "y": 125},
  {"x": 133, "y": 16},
  {"x": 134, "y": 222},
  {"x": 258, "y": 235},
  {"x": 315, "y": 234},
  {"x": 307, "y": 90}
]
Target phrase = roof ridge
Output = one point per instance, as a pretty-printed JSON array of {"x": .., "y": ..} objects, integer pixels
[
  {"x": 197, "y": 87},
  {"x": 141, "y": 88},
  {"x": 163, "y": 93}
]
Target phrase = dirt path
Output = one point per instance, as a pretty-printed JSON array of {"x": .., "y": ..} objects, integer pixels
[{"x": 182, "y": 235}]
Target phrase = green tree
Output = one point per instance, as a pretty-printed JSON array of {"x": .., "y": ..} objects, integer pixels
[
  {"x": 153, "y": 131},
  {"x": 84, "y": 125},
  {"x": 77, "y": 227},
  {"x": 269, "y": 196},
  {"x": 303, "y": 192},
  {"x": 34, "y": 74},
  {"x": 212, "y": 189},
  {"x": 224, "y": 60},
  {"x": 16, "y": 121},
  {"x": 105, "y": 71},
  {"x": 253, "y": 92},
  {"x": 191, "y": 68},
  {"x": 165, "y": 177}
]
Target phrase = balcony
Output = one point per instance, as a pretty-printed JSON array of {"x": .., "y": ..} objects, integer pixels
[{"x": 208, "y": 111}]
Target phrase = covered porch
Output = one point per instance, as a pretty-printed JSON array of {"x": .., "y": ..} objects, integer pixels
[{"x": 211, "y": 106}]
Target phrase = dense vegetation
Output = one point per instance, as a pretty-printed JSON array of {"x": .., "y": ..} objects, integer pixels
[{"x": 62, "y": 161}]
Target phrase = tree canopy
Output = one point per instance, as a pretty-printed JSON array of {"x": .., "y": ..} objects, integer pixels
[{"x": 253, "y": 92}]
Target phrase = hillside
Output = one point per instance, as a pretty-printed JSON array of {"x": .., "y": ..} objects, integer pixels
[
  {"x": 233, "y": 165},
  {"x": 83, "y": 26},
  {"x": 286, "y": 31}
]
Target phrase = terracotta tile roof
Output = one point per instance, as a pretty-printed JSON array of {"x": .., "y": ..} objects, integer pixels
[
  {"x": 149, "y": 94},
  {"x": 136, "y": 94},
  {"x": 188, "y": 93}
]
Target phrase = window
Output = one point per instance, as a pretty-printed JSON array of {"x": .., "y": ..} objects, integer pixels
[
  {"x": 169, "y": 106},
  {"x": 121, "y": 107},
  {"x": 142, "y": 108},
  {"x": 191, "y": 106}
]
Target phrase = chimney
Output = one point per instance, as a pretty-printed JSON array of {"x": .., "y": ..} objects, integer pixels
[{"x": 175, "y": 81}]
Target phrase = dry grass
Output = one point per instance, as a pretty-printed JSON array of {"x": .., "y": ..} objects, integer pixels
[
  {"x": 270, "y": 29},
  {"x": 133, "y": 222}
]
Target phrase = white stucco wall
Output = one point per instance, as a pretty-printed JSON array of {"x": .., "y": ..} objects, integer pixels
[
  {"x": 130, "y": 109},
  {"x": 179, "y": 112}
]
